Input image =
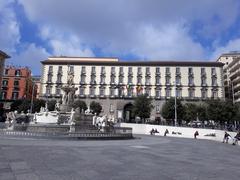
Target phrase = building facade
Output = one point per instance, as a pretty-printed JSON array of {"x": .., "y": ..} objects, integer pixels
[
  {"x": 231, "y": 74},
  {"x": 3, "y": 56},
  {"x": 37, "y": 85},
  {"x": 115, "y": 83},
  {"x": 16, "y": 84}
]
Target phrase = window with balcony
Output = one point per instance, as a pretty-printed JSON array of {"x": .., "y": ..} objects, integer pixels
[
  {"x": 83, "y": 70},
  {"x": 93, "y": 70},
  {"x": 214, "y": 81},
  {"x": 102, "y": 91},
  {"x": 190, "y": 81},
  {"x": 139, "y": 80},
  {"x": 147, "y": 70},
  {"x": 213, "y": 71},
  {"x": 178, "y": 72},
  {"x": 4, "y": 95},
  {"x": 191, "y": 93},
  {"x": 58, "y": 91},
  {"x": 190, "y": 71},
  {"x": 120, "y": 92},
  {"x": 16, "y": 83},
  {"x": 93, "y": 79},
  {"x": 102, "y": 79},
  {"x": 178, "y": 80},
  {"x": 158, "y": 93},
  {"x": 130, "y": 92},
  {"x": 49, "y": 80},
  {"x": 130, "y": 78},
  {"x": 5, "y": 83},
  {"x": 139, "y": 71},
  {"x": 168, "y": 93},
  {"x": 203, "y": 71},
  {"x": 82, "y": 91},
  {"x": 17, "y": 73},
  {"x": 121, "y": 71},
  {"x": 168, "y": 80},
  {"x": 6, "y": 71},
  {"x": 15, "y": 95},
  {"x": 59, "y": 69},
  {"x": 120, "y": 79},
  {"x": 112, "y": 80},
  {"x": 167, "y": 71},
  {"x": 148, "y": 92},
  {"x": 130, "y": 71},
  {"x": 112, "y": 70},
  {"x": 71, "y": 69},
  {"x": 102, "y": 70},
  {"x": 158, "y": 80},
  {"x": 92, "y": 91},
  {"x": 50, "y": 69},
  {"x": 112, "y": 92},
  {"x": 157, "y": 108},
  {"x": 157, "y": 70},
  {"x": 204, "y": 93},
  {"x": 204, "y": 81},
  {"x": 83, "y": 79},
  {"x": 48, "y": 90},
  {"x": 214, "y": 94},
  {"x": 59, "y": 78},
  {"x": 148, "y": 80},
  {"x": 178, "y": 93}
]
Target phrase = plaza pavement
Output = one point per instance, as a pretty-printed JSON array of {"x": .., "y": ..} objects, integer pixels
[{"x": 143, "y": 158}]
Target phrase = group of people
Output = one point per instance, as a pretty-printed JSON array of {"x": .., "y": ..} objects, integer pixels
[
  {"x": 227, "y": 136},
  {"x": 153, "y": 131}
]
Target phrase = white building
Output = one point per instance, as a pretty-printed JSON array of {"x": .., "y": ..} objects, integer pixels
[
  {"x": 115, "y": 83},
  {"x": 231, "y": 74}
]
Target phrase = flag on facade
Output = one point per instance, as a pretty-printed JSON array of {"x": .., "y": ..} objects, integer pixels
[{"x": 139, "y": 88}]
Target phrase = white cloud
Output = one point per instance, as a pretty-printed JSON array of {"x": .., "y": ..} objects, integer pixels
[
  {"x": 63, "y": 43},
  {"x": 9, "y": 28},
  {"x": 232, "y": 45},
  {"x": 123, "y": 27},
  {"x": 30, "y": 57}
]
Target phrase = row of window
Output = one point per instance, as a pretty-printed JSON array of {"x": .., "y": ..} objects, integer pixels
[
  {"x": 130, "y": 92},
  {"x": 17, "y": 72},
  {"x": 139, "y": 80},
  {"x": 15, "y": 95},
  {"x": 130, "y": 71},
  {"x": 5, "y": 83}
]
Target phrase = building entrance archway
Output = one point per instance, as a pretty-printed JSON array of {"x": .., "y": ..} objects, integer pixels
[{"x": 128, "y": 114}]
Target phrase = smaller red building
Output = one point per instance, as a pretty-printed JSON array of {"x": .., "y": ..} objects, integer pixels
[{"x": 17, "y": 83}]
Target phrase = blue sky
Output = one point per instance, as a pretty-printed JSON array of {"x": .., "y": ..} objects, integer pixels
[{"x": 32, "y": 30}]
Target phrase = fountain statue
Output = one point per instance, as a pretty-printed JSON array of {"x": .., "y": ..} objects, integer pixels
[{"x": 69, "y": 93}]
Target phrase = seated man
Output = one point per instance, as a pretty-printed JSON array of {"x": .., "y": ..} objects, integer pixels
[{"x": 236, "y": 138}]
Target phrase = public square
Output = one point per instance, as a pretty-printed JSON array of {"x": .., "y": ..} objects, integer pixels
[{"x": 145, "y": 157}]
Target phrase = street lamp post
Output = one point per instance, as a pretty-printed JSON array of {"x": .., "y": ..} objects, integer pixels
[
  {"x": 33, "y": 88},
  {"x": 175, "y": 106}
]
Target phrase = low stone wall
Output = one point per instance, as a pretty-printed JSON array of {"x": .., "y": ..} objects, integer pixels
[{"x": 183, "y": 132}]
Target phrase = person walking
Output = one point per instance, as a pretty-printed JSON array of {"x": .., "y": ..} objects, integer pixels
[
  {"x": 196, "y": 134},
  {"x": 236, "y": 138}
]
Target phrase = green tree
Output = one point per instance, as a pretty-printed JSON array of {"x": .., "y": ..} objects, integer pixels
[
  {"x": 37, "y": 104},
  {"x": 220, "y": 111},
  {"x": 24, "y": 106},
  {"x": 190, "y": 112},
  {"x": 168, "y": 111},
  {"x": 95, "y": 107},
  {"x": 202, "y": 112},
  {"x": 51, "y": 105},
  {"x": 142, "y": 106},
  {"x": 80, "y": 104},
  {"x": 15, "y": 105}
]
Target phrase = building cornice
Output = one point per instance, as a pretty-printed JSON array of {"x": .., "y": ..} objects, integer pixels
[
  {"x": 133, "y": 63},
  {"x": 4, "y": 54}
]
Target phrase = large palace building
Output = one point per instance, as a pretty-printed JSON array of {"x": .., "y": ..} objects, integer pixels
[{"x": 115, "y": 83}]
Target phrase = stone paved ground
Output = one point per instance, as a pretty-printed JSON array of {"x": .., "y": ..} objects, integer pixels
[{"x": 161, "y": 158}]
